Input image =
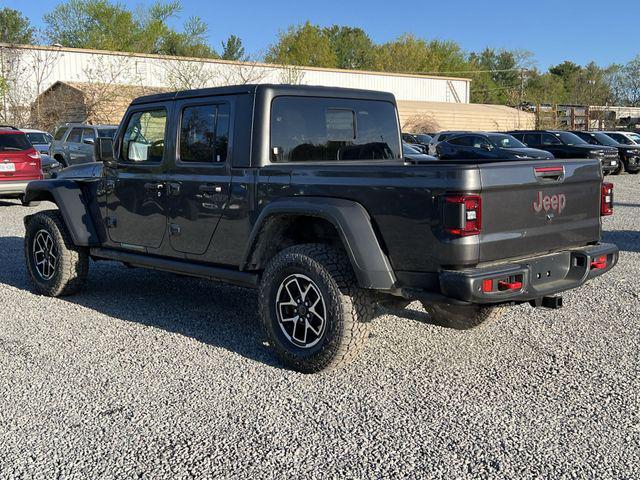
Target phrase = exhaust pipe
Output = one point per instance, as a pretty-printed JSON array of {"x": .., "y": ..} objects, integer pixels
[{"x": 547, "y": 302}]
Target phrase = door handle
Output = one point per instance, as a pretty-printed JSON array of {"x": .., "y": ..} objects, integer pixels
[
  {"x": 210, "y": 189},
  {"x": 154, "y": 187}
]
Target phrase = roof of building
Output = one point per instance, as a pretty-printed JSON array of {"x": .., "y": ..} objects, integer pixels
[{"x": 230, "y": 62}]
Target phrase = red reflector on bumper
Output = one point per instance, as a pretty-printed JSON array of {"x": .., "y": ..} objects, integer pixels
[{"x": 487, "y": 285}]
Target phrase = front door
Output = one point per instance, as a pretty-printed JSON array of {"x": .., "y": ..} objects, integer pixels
[
  {"x": 136, "y": 202},
  {"x": 199, "y": 180}
]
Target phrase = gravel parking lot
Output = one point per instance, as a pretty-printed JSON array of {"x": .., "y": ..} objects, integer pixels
[{"x": 151, "y": 375}]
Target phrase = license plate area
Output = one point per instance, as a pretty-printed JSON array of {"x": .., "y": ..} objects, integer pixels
[
  {"x": 550, "y": 269},
  {"x": 7, "y": 167}
]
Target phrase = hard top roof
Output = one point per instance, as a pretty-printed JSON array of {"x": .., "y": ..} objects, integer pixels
[{"x": 273, "y": 89}]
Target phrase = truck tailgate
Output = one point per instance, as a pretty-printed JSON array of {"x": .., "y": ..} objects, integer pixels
[{"x": 533, "y": 207}]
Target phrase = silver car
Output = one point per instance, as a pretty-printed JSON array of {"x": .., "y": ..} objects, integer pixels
[{"x": 73, "y": 142}]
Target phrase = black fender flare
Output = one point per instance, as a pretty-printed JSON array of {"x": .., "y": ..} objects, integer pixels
[
  {"x": 68, "y": 196},
  {"x": 353, "y": 224}
]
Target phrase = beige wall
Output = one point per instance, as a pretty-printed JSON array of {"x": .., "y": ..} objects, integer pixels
[{"x": 436, "y": 116}]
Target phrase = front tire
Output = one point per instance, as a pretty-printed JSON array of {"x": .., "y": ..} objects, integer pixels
[
  {"x": 313, "y": 312},
  {"x": 56, "y": 266}
]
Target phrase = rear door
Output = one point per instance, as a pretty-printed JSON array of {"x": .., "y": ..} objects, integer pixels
[
  {"x": 533, "y": 207},
  {"x": 199, "y": 180}
]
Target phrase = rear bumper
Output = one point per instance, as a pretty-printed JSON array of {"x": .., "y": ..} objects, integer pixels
[
  {"x": 530, "y": 278},
  {"x": 13, "y": 187}
]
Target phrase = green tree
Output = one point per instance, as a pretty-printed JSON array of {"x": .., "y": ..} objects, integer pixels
[
  {"x": 232, "y": 49},
  {"x": 15, "y": 27},
  {"x": 352, "y": 47},
  {"x": 302, "y": 45},
  {"x": 500, "y": 77},
  {"x": 102, "y": 25},
  {"x": 410, "y": 54},
  {"x": 544, "y": 88}
]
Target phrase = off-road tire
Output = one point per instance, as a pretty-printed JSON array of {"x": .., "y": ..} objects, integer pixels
[
  {"x": 462, "y": 317},
  {"x": 72, "y": 263},
  {"x": 348, "y": 307}
]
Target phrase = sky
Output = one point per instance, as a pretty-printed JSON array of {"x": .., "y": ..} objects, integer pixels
[{"x": 554, "y": 31}]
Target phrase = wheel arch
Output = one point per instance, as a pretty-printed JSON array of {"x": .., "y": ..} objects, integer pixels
[
  {"x": 334, "y": 220},
  {"x": 69, "y": 198}
]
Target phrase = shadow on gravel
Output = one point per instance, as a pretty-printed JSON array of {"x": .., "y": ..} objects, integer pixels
[
  {"x": 626, "y": 240},
  {"x": 5, "y": 203},
  {"x": 623, "y": 204},
  {"x": 212, "y": 313}
]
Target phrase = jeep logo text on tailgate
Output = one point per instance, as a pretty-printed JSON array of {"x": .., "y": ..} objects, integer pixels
[{"x": 550, "y": 202}]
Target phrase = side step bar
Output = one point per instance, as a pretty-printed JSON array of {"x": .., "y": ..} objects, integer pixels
[{"x": 243, "y": 279}]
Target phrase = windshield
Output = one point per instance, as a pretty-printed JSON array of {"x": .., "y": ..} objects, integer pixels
[
  {"x": 14, "y": 142},
  {"x": 106, "y": 132},
  {"x": 38, "y": 138},
  {"x": 604, "y": 139},
  {"x": 570, "y": 138},
  {"x": 506, "y": 141}
]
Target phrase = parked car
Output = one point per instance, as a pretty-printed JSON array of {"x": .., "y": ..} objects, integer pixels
[
  {"x": 628, "y": 155},
  {"x": 482, "y": 145},
  {"x": 414, "y": 155},
  {"x": 568, "y": 145},
  {"x": 19, "y": 162},
  {"x": 303, "y": 193},
  {"x": 440, "y": 137},
  {"x": 417, "y": 139},
  {"x": 50, "y": 166},
  {"x": 626, "y": 138},
  {"x": 413, "y": 143},
  {"x": 39, "y": 139},
  {"x": 73, "y": 143}
]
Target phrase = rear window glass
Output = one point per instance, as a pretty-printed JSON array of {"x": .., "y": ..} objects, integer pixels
[
  {"x": 14, "y": 142},
  {"x": 37, "y": 137},
  {"x": 331, "y": 129},
  {"x": 60, "y": 133}
]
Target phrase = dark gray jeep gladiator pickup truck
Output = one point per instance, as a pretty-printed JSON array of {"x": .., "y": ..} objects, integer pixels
[{"x": 303, "y": 193}]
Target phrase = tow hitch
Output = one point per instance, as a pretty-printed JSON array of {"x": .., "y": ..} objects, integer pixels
[{"x": 547, "y": 302}]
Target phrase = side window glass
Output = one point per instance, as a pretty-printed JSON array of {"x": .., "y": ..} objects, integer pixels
[
  {"x": 88, "y": 135},
  {"x": 222, "y": 133},
  {"x": 204, "y": 134},
  {"x": 75, "y": 135},
  {"x": 462, "y": 141},
  {"x": 143, "y": 139},
  {"x": 532, "y": 139},
  {"x": 548, "y": 139}
]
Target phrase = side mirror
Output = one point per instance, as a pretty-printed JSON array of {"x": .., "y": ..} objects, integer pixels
[
  {"x": 103, "y": 150},
  {"x": 89, "y": 141}
]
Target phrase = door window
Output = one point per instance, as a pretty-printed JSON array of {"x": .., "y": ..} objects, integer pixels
[
  {"x": 75, "y": 135},
  {"x": 549, "y": 140},
  {"x": 532, "y": 139},
  {"x": 204, "y": 134},
  {"x": 143, "y": 139},
  {"x": 88, "y": 136},
  {"x": 462, "y": 141},
  {"x": 60, "y": 133}
]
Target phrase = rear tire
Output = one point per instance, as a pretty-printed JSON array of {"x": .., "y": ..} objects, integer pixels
[
  {"x": 56, "y": 266},
  {"x": 313, "y": 312},
  {"x": 462, "y": 317}
]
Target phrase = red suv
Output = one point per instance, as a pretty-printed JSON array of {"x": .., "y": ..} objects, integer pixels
[{"x": 19, "y": 162}]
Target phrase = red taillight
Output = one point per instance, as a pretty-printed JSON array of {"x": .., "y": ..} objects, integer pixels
[
  {"x": 606, "y": 203},
  {"x": 34, "y": 155},
  {"x": 470, "y": 218}
]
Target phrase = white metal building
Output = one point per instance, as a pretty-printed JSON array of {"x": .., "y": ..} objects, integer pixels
[{"x": 32, "y": 69}]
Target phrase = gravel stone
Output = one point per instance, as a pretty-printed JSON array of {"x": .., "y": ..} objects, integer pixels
[{"x": 152, "y": 375}]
